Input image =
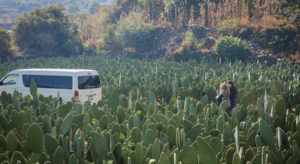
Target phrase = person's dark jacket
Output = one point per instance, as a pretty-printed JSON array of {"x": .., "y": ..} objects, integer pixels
[
  {"x": 233, "y": 93},
  {"x": 219, "y": 99}
]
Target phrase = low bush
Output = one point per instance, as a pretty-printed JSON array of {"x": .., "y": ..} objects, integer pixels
[{"x": 232, "y": 48}]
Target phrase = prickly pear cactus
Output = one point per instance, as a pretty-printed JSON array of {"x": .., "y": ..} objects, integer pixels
[
  {"x": 66, "y": 124},
  {"x": 135, "y": 135},
  {"x": 35, "y": 138},
  {"x": 159, "y": 112},
  {"x": 163, "y": 159},
  {"x": 100, "y": 145},
  {"x": 216, "y": 144},
  {"x": 18, "y": 157},
  {"x": 205, "y": 152},
  {"x": 12, "y": 142},
  {"x": 282, "y": 139},
  {"x": 156, "y": 150},
  {"x": 280, "y": 107},
  {"x": 114, "y": 100},
  {"x": 50, "y": 144},
  {"x": 266, "y": 135},
  {"x": 73, "y": 160},
  {"x": 33, "y": 89},
  {"x": 121, "y": 115},
  {"x": 189, "y": 155},
  {"x": 149, "y": 137},
  {"x": 180, "y": 138},
  {"x": 194, "y": 132},
  {"x": 58, "y": 156}
]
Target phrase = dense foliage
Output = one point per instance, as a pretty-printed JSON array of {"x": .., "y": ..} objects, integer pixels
[
  {"x": 47, "y": 31},
  {"x": 263, "y": 22},
  {"x": 5, "y": 44},
  {"x": 156, "y": 112},
  {"x": 232, "y": 48},
  {"x": 130, "y": 31}
]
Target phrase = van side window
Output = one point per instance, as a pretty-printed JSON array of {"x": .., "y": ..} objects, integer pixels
[
  {"x": 10, "y": 80},
  {"x": 43, "y": 81}
]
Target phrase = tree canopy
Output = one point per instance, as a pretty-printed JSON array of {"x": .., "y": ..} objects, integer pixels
[
  {"x": 4, "y": 42},
  {"x": 47, "y": 30}
]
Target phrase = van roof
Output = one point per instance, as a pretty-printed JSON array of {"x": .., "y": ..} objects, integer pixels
[{"x": 52, "y": 70}]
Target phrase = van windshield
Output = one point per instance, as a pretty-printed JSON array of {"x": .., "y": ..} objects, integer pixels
[{"x": 89, "y": 82}]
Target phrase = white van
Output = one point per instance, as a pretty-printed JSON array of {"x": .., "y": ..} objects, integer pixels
[{"x": 80, "y": 84}]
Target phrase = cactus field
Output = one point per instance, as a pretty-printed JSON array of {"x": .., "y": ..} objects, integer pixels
[{"x": 156, "y": 112}]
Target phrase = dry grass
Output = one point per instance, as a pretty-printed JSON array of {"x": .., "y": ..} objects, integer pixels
[
  {"x": 271, "y": 22},
  {"x": 245, "y": 21},
  {"x": 93, "y": 27},
  {"x": 295, "y": 57},
  {"x": 162, "y": 21},
  {"x": 129, "y": 49},
  {"x": 267, "y": 22}
]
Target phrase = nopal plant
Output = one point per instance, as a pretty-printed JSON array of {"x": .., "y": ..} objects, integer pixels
[{"x": 159, "y": 112}]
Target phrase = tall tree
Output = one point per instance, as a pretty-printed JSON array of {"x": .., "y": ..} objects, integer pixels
[
  {"x": 47, "y": 30},
  {"x": 4, "y": 42}
]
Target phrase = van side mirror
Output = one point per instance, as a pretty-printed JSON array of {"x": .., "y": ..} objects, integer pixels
[{"x": 1, "y": 82}]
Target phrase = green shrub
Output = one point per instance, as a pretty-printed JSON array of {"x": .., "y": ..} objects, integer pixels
[
  {"x": 232, "y": 48},
  {"x": 228, "y": 26},
  {"x": 280, "y": 42},
  {"x": 189, "y": 37},
  {"x": 4, "y": 42},
  {"x": 189, "y": 45},
  {"x": 109, "y": 40},
  {"x": 130, "y": 31}
]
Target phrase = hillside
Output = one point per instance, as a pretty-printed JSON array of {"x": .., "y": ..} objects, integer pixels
[
  {"x": 182, "y": 30},
  {"x": 271, "y": 28}
]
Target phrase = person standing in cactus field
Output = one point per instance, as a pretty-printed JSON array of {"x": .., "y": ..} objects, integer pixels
[
  {"x": 224, "y": 94},
  {"x": 232, "y": 97}
]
